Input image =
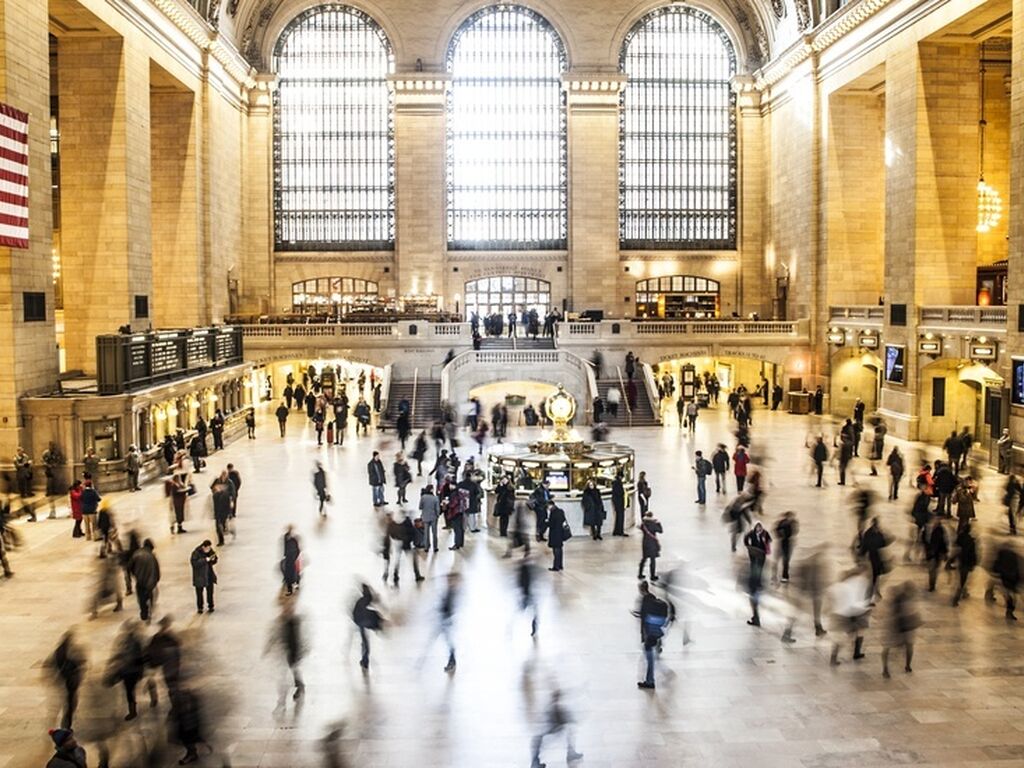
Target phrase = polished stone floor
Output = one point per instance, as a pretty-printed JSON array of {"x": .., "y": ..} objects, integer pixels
[{"x": 735, "y": 696}]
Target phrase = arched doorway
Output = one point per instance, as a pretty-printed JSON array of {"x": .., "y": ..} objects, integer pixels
[
  {"x": 678, "y": 297},
  {"x": 507, "y": 293},
  {"x": 957, "y": 394},
  {"x": 854, "y": 373}
]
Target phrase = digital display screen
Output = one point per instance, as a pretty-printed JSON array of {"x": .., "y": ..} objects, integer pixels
[
  {"x": 559, "y": 480},
  {"x": 894, "y": 361},
  {"x": 1017, "y": 380}
]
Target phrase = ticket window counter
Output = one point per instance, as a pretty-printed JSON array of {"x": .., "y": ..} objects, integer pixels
[{"x": 104, "y": 437}]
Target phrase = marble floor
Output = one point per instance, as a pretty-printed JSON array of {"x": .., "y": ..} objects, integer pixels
[{"x": 735, "y": 696}]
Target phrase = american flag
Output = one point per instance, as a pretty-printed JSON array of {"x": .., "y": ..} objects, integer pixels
[{"x": 13, "y": 177}]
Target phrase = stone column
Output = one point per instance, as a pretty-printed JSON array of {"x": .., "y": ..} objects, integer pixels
[
  {"x": 177, "y": 289},
  {"x": 105, "y": 188},
  {"x": 930, "y": 215},
  {"x": 257, "y": 268},
  {"x": 420, "y": 228},
  {"x": 1015, "y": 299},
  {"x": 28, "y": 354},
  {"x": 757, "y": 288},
  {"x": 593, "y": 117}
]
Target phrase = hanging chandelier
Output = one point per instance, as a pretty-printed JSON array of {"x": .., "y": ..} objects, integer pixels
[{"x": 990, "y": 204}]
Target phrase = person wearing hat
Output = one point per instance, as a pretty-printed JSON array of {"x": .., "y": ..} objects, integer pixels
[
  {"x": 203, "y": 576},
  {"x": 68, "y": 754}
]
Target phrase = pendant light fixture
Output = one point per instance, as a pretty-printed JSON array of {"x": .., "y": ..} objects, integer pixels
[{"x": 990, "y": 204}]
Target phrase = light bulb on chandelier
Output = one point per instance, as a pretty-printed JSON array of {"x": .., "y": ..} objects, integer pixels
[{"x": 990, "y": 204}]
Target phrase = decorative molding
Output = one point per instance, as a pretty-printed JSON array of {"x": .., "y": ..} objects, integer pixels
[
  {"x": 419, "y": 92},
  {"x": 460, "y": 257},
  {"x": 335, "y": 257},
  {"x": 598, "y": 91}
]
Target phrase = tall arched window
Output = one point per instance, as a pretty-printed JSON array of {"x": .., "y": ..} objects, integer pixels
[
  {"x": 506, "y": 133},
  {"x": 677, "y": 157},
  {"x": 333, "y": 139}
]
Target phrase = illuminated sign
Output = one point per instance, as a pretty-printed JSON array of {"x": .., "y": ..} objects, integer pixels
[
  {"x": 929, "y": 347},
  {"x": 984, "y": 352},
  {"x": 836, "y": 337},
  {"x": 869, "y": 341}
]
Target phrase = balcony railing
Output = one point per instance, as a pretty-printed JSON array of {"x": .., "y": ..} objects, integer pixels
[
  {"x": 859, "y": 315},
  {"x": 967, "y": 318}
]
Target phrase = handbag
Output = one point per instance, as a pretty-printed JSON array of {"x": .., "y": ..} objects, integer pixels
[
  {"x": 566, "y": 531},
  {"x": 191, "y": 489}
]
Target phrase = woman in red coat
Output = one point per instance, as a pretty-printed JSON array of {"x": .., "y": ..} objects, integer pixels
[{"x": 75, "y": 494}]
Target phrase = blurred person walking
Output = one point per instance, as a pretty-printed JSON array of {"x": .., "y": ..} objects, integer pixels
[
  {"x": 320, "y": 488},
  {"x": 655, "y": 615},
  {"x": 367, "y": 619},
  {"x": 902, "y": 620},
  {"x": 145, "y": 570},
  {"x": 290, "y": 562},
  {"x": 289, "y": 638},
  {"x": 68, "y": 661},
  {"x": 557, "y": 719}
]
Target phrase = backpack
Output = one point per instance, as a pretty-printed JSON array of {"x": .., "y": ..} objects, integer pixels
[{"x": 656, "y": 621}]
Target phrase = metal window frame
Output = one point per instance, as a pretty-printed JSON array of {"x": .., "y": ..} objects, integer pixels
[
  {"x": 677, "y": 219},
  {"x": 543, "y": 241},
  {"x": 388, "y": 212}
]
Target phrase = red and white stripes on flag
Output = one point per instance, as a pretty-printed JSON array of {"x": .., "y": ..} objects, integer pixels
[{"x": 13, "y": 177}]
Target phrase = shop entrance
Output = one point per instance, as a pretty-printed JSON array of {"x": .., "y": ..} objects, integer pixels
[
  {"x": 855, "y": 373},
  {"x": 731, "y": 372},
  {"x": 961, "y": 393},
  {"x": 516, "y": 396}
]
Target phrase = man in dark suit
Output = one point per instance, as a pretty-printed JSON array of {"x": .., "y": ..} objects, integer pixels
[{"x": 203, "y": 576}]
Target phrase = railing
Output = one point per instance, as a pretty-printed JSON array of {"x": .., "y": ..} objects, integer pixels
[
  {"x": 622, "y": 392},
  {"x": 447, "y": 329},
  {"x": 652, "y": 390},
  {"x": 990, "y": 318},
  {"x": 422, "y": 332},
  {"x": 858, "y": 312},
  {"x": 385, "y": 389},
  {"x": 415, "y": 386}
]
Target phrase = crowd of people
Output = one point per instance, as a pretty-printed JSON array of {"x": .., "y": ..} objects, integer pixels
[{"x": 418, "y": 502}]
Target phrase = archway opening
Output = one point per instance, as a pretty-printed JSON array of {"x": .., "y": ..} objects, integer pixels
[
  {"x": 516, "y": 396},
  {"x": 957, "y": 394},
  {"x": 504, "y": 294},
  {"x": 855, "y": 373}
]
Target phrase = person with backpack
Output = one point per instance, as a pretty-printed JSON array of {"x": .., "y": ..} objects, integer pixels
[
  {"x": 654, "y": 618},
  {"x": 703, "y": 469},
  {"x": 650, "y": 547}
]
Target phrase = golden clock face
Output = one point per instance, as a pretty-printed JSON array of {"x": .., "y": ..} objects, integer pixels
[{"x": 561, "y": 406}]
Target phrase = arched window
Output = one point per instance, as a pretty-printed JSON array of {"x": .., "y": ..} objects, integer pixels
[
  {"x": 506, "y": 133},
  {"x": 333, "y": 141},
  {"x": 507, "y": 293},
  {"x": 678, "y": 297},
  {"x": 677, "y": 158}
]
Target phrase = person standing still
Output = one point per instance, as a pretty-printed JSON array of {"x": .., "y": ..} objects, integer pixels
[
  {"x": 557, "y": 530},
  {"x": 618, "y": 505},
  {"x": 282, "y": 417},
  {"x": 740, "y": 460},
  {"x": 204, "y": 577},
  {"x": 430, "y": 510},
  {"x": 650, "y": 547},
  {"x": 702, "y": 467},
  {"x": 377, "y": 479}
]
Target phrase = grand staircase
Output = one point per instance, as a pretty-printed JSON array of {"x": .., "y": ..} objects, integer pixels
[
  {"x": 426, "y": 407},
  {"x": 504, "y": 343},
  {"x": 644, "y": 415}
]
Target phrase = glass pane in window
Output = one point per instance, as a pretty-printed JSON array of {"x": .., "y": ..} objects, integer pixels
[
  {"x": 333, "y": 138},
  {"x": 678, "y": 133}
]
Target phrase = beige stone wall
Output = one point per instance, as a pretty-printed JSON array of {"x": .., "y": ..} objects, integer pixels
[
  {"x": 176, "y": 218},
  {"x": 854, "y": 203},
  {"x": 105, "y": 187},
  {"x": 28, "y": 357}
]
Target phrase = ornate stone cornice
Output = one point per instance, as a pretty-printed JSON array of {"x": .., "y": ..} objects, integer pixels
[
  {"x": 419, "y": 91},
  {"x": 203, "y": 35},
  {"x": 593, "y": 90}
]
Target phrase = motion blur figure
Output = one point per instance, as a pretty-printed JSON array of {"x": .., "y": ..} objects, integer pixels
[
  {"x": 1006, "y": 566},
  {"x": 966, "y": 560},
  {"x": 655, "y": 615},
  {"x": 186, "y": 721},
  {"x": 320, "y": 488},
  {"x": 290, "y": 560},
  {"x": 526, "y": 580},
  {"x": 446, "y": 615},
  {"x": 109, "y": 585},
  {"x": 288, "y": 639},
  {"x": 850, "y": 607},
  {"x": 367, "y": 619},
  {"x": 127, "y": 666},
  {"x": 936, "y": 549},
  {"x": 557, "y": 718},
  {"x": 901, "y": 622},
  {"x": 164, "y": 651},
  {"x": 521, "y": 530},
  {"x": 812, "y": 581},
  {"x": 399, "y": 538},
  {"x": 68, "y": 661}
]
